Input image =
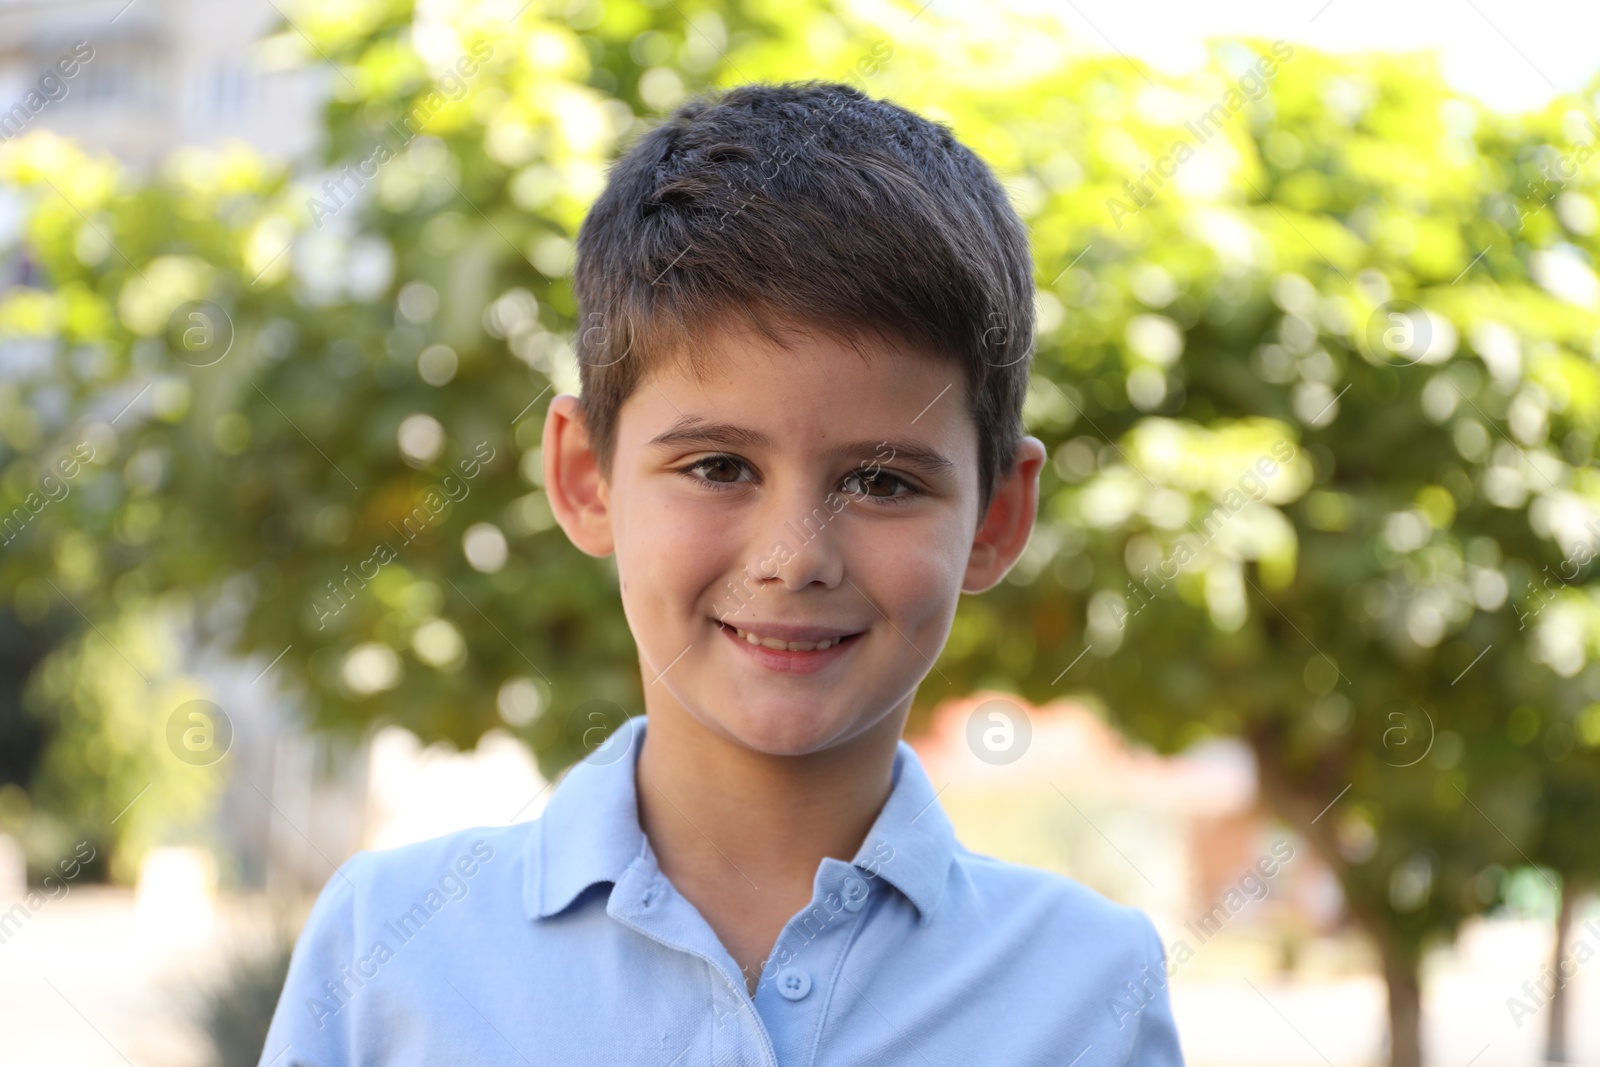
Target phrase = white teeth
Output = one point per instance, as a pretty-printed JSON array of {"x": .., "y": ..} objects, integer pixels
[{"x": 787, "y": 646}]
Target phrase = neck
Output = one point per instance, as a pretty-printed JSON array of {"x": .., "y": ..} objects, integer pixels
[{"x": 714, "y": 809}]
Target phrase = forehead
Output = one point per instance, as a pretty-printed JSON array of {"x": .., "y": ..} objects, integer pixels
[{"x": 811, "y": 387}]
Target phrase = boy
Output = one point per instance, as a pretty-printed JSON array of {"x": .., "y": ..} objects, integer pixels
[{"x": 807, "y": 317}]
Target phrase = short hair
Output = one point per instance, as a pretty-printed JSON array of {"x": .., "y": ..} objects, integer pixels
[{"x": 805, "y": 206}]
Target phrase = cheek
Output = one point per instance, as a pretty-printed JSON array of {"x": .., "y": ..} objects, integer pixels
[
  {"x": 914, "y": 570},
  {"x": 670, "y": 550}
]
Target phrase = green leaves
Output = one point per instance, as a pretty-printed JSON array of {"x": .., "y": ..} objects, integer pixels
[{"x": 1321, "y": 396}]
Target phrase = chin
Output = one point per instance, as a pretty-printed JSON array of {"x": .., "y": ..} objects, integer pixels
[{"x": 777, "y": 727}]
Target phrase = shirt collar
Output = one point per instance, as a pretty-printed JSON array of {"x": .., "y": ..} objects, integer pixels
[{"x": 589, "y": 831}]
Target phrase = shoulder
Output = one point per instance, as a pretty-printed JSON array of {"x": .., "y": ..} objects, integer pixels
[
  {"x": 1047, "y": 907},
  {"x": 451, "y": 866},
  {"x": 478, "y": 846},
  {"x": 418, "y": 901},
  {"x": 1066, "y": 951}
]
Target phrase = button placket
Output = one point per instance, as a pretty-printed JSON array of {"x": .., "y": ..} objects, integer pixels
[
  {"x": 793, "y": 983},
  {"x": 805, "y": 958},
  {"x": 644, "y": 901}
]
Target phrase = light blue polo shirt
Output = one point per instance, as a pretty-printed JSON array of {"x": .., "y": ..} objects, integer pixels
[{"x": 559, "y": 941}]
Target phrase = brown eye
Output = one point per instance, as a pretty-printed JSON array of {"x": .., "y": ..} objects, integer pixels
[
  {"x": 877, "y": 484},
  {"x": 723, "y": 470}
]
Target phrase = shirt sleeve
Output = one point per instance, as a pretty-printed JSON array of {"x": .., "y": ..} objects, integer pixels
[
  {"x": 1155, "y": 1044},
  {"x": 312, "y": 1024}
]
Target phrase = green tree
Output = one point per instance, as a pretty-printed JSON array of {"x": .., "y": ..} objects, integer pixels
[
  {"x": 1571, "y": 806},
  {"x": 1317, "y": 319},
  {"x": 1317, "y": 428}
]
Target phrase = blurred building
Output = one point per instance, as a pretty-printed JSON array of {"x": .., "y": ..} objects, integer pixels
[
  {"x": 1183, "y": 837},
  {"x": 299, "y": 804},
  {"x": 149, "y": 76}
]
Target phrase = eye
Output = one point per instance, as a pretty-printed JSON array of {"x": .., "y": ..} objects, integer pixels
[
  {"x": 717, "y": 470},
  {"x": 879, "y": 484}
]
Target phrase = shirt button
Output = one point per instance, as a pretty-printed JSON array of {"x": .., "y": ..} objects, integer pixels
[
  {"x": 855, "y": 894},
  {"x": 793, "y": 983}
]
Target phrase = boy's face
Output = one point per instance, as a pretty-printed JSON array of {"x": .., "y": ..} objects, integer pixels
[{"x": 805, "y": 497}]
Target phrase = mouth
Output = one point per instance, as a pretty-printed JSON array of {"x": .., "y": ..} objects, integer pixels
[
  {"x": 768, "y": 641},
  {"x": 790, "y": 648}
]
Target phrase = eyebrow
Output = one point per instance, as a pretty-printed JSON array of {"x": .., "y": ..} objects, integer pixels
[
  {"x": 691, "y": 429},
  {"x": 902, "y": 452}
]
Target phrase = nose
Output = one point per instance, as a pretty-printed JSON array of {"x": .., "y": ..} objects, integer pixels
[{"x": 799, "y": 544}]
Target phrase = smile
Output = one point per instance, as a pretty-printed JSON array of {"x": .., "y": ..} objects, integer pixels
[
  {"x": 787, "y": 646},
  {"x": 791, "y": 648}
]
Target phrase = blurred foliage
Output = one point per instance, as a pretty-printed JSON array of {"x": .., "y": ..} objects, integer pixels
[
  {"x": 108, "y": 694},
  {"x": 235, "y": 1011},
  {"x": 1332, "y": 267},
  {"x": 1364, "y": 615}
]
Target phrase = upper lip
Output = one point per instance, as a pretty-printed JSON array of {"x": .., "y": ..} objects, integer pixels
[{"x": 792, "y": 632}]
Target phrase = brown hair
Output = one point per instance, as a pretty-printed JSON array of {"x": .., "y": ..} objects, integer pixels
[{"x": 805, "y": 206}]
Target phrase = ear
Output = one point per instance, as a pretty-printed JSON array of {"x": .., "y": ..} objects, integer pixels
[
  {"x": 1005, "y": 529},
  {"x": 579, "y": 497}
]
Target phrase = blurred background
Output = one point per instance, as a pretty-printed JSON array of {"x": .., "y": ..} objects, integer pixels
[{"x": 1304, "y": 657}]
